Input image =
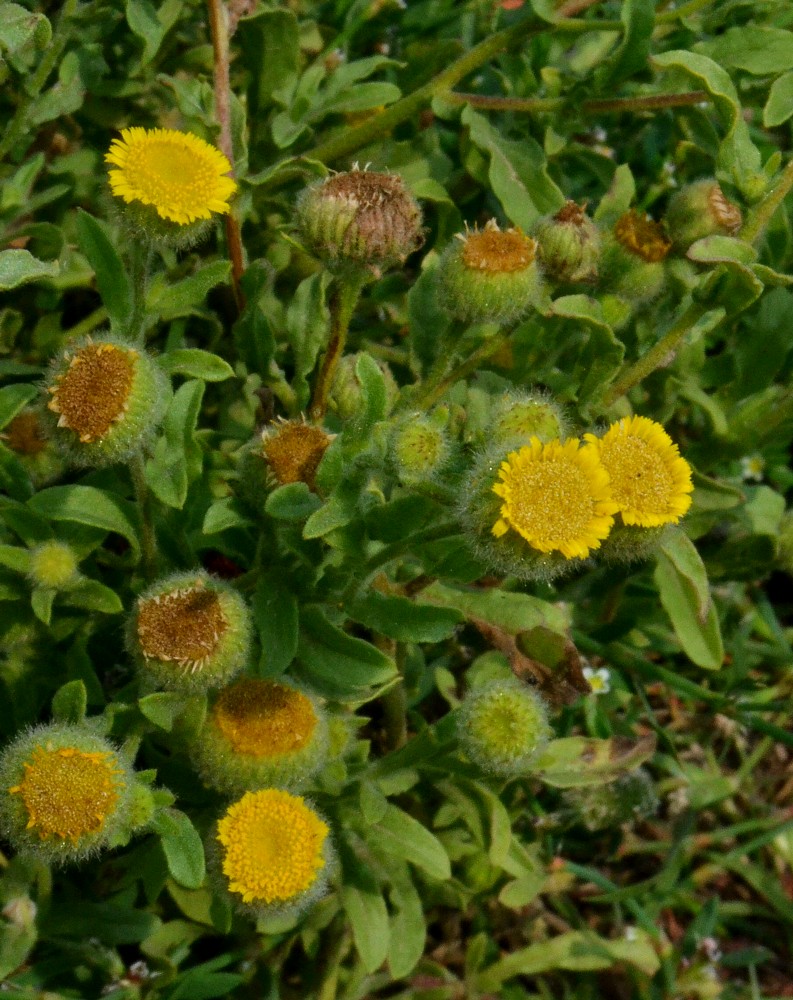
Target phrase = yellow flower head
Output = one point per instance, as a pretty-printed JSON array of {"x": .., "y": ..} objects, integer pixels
[
  {"x": 262, "y": 718},
  {"x": 273, "y": 848},
  {"x": 293, "y": 450},
  {"x": 63, "y": 790},
  {"x": 642, "y": 237},
  {"x": 556, "y": 496},
  {"x": 497, "y": 251},
  {"x": 180, "y": 175},
  {"x": 650, "y": 481}
]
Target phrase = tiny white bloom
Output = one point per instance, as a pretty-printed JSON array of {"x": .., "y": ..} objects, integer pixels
[
  {"x": 752, "y": 468},
  {"x": 631, "y": 934},
  {"x": 599, "y": 680}
]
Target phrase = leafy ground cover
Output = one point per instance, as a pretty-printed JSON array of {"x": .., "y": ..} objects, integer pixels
[{"x": 395, "y": 420}]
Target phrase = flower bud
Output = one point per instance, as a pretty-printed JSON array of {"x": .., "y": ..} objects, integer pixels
[
  {"x": 287, "y": 451},
  {"x": 53, "y": 565},
  {"x": 699, "y": 210},
  {"x": 261, "y": 734},
  {"x": 602, "y": 807},
  {"x": 273, "y": 852},
  {"x": 108, "y": 398},
  {"x": 490, "y": 275},
  {"x": 502, "y": 725},
  {"x": 419, "y": 448},
  {"x": 633, "y": 256},
  {"x": 26, "y": 435},
  {"x": 190, "y": 632},
  {"x": 518, "y": 416},
  {"x": 346, "y": 396},
  {"x": 63, "y": 792},
  {"x": 569, "y": 245},
  {"x": 360, "y": 218}
]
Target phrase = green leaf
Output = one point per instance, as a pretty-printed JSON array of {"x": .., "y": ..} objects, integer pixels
[
  {"x": 113, "y": 282},
  {"x": 339, "y": 510},
  {"x": 17, "y": 267},
  {"x": 292, "y": 502},
  {"x": 619, "y": 197},
  {"x": 399, "y": 834},
  {"x": 177, "y": 458},
  {"x": 369, "y": 922},
  {"x": 577, "y": 761},
  {"x": 89, "y": 505},
  {"x": 338, "y": 665},
  {"x": 515, "y": 613},
  {"x": 754, "y": 48},
  {"x": 738, "y": 157},
  {"x": 518, "y": 172},
  {"x": 13, "y": 399},
  {"x": 196, "y": 364},
  {"x": 223, "y": 515},
  {"x": 308, "y": 329},
  {"x": 41, "y": 600},
  {"x": 403, "y": 619},
  {"x": 144, "y": 22},
  {"x": 186, "y": 296},
  {"x": 93, "y": 596},
  {"x": 20, "y": 28},
  {"x": 685, "y": 595},
  {"x": 69, "y": 702},
  {"x": 374, "y": 395},
  {"x": 721, "y": 249},
  {"x": 15, "y": 557},
  {"x": 184, "y": 851},
  {"x": 162, "y": 708},
  {"x": 408, "y": 926},
  {"x": 275, "y": 612},
  {"x": 270, "y": 42},
  {"x": 631, "y": 55},
  {"x": 779, "y": 106}
]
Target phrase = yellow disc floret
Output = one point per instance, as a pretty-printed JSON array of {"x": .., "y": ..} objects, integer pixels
[
  {"x": 263, "y": 718},
  {"x": 180, "y": 175},
  {"x": 650, "y": 481},
  {"x": 69, "y": 793},
  {"x": 498, "y": 251},
  {"x": 272, "y": 847},
  {"x": 556, "y": 496},
  {"x": 642, "y": 237},
  {"x": 93, "y": 392}
]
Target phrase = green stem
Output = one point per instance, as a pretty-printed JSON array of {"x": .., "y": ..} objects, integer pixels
[
  {"x": 541, "y": 105},
  {"x": 395, "y": 708},
  {"x": 435, "y": 391},
  {"x": 19, "y": 123},
  {"x": 692, "y": 7},
  {"x": 661, "y": 354},
  {"x": 140, "y": 262},
  {"x": 343, "y": 300},
  {"x": 143, "y": 499},
  {"x": 762, "y": 215}
]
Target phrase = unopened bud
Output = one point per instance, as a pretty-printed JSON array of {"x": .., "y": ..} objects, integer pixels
[
  {"x": 569, "y": 244},
  {"x": 699, "y": 210},
  {"x": 518, "y": 416},
  {"x": 420, "y": 449},
  {"x": 346, "y": 397},
  {"x": 53, "y": 565},
  {"x": 633, "y": 256}
]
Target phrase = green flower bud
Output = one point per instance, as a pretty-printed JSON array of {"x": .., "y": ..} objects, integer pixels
[
  {"x": 601, "y": 807},
  {"x": 53, "y": 565},
  {"x": 629, "y": 543},
  {"x": 632, "y": 260},
  {"x": 261, "y": 734},
  {"x": 190, "y": 632},
  {"x": 108, "y": 398},
  {"x": 502, "y": 725},
  {"x": 27, "y": 436},
  {"x": 569, "y": 244},
  {"x": 64, "y": 792},
  {"x": 490, "y": 275},
  {"x": 699, "y": 210},
  {"x": 361, "y": 218},
  {"x": 518, "y": 416},
  {"x": 346, "y": 396},
  {"x": 420, "y": 448}
]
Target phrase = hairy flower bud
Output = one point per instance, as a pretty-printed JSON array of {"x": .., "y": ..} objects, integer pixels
[
  {"x": 601, "y": 807},
  {"x": 569, "y": 244},
  {"x": 490, "y": 275},
  {"x": 346, "y": 396},
  {"x": 53, "y": 565},
  {"x": 27, "y": 437},
  {"x": 360, "y": 218},
  {"x": 108, "y": 398},
  {"x": 699, "y": 210},
  {"x": 420, "y": 448},
  {"x": 633, "y": 257},
  {"x": 518, "y": 416},
  {"x": 190, "y": 632},
  {"x": 502, "y": 725}
]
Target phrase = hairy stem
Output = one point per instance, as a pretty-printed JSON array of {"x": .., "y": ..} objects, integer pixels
[
  {"x": 556, "y": 104},
  {"x": 140, "y": 262},
  {"x": 19, "y": 122},
  {"x": 143, "y": 498},
  {"x": 344, "y": 297},
  {"x": 435, "y": 391},
  {"x": 219, "y": 29},
  {"x": 659, "y": 355},
  {"x": 762, "y": 215}
]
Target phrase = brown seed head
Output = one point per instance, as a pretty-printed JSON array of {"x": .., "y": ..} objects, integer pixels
[
  {"x": 724, "y": 212},
  {"x": 25, "y": 434},
  {"x": 497, "y": 251},
  {"x": 293, "y": 451},
  {"x": 262, "y": 718},
  {"x": 184, "y": 626},
  {"x": 642, "y": 237},
  {"x": 93, "y": 393}
]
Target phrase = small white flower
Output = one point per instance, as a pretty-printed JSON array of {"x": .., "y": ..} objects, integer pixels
[
  {"x": 752, "y": 468},
  {"x": 631, "y": 934},
  {"x": 599, "y": 680}
]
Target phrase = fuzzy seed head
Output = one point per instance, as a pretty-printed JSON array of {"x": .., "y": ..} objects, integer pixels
[
  {"x": 184, "y": 626},
  {"x": 498, "y": 251},
  {"x": 53, "y": 565},
  {"x": 293, "y": 451}
]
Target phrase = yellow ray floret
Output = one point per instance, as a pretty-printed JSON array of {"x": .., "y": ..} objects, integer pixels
[
  {"x": 556, "y": 496},
  {"x": 273, "y": 846},
  {"x": 69, "y": 793},
  {"x": 650, "y": 481},
  {"x": 182, "y": 176}
]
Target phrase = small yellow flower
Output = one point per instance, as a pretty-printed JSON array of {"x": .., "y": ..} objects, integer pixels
[
  {"x": 497, "y": 251},
  {"x": 182, "y": 176},
  {"x": 273, "y": 847},
  {"x": 262, "y": 718},
  {"x": 642, "y": 237},
  {"x": 650, "y": 481},
  {"x": 556, "y": 496}
]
